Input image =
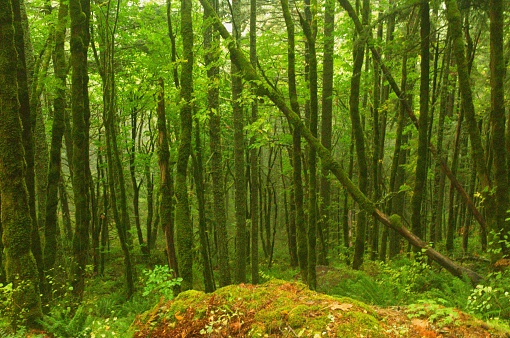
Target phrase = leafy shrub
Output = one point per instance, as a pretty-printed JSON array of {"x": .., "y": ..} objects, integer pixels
[
  {"x": 160, "y": 281},
  {"x": 492, "y": 300}
]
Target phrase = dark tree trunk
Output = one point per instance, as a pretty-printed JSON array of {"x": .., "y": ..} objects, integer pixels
[
  {"x": 183, "y": 224},
  {"x": 17, "y": 227},
  {"x": 326, "y": 127},
  {"x": 420, "y": 182},
  {"x": 254, "y": 159},
  {"x": 239, "y": 157},
  {"x": 166, "y": 189},
  {"x": 198, "y": 174},
  {"x": 302, "y": 247},
  {"x": 497, "y": 118},
  {"x": 211, "y": 45},
  {"x": 80, "y": 13}
]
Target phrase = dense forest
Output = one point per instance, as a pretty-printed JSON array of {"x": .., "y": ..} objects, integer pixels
[{"x": 153, "y": 147}]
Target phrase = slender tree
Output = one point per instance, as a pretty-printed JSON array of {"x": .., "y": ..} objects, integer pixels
[
  {"x": 239, "y": 156},
  {"x": 421, "y": 163},
  {"x": 183, "y": 224},
  {"x": 211, "y": 45}
]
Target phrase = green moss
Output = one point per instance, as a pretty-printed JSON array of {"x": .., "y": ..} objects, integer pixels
[{"x": 362, "y": 323}]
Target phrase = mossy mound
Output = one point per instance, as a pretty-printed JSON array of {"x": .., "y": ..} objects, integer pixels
[{"x": 288, "y": 309}]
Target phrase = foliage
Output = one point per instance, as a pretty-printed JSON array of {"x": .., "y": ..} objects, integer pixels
[
  {"x": 492, "y": 299},
  {"x": 435, "y": 312},
  {"x": 160, "y": 281}
]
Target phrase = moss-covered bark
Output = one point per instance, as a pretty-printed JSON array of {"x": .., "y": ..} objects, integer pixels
[
  {"x": 239, "y": 155},
  {"x": 302, "y": 246},
  {"x": 166, "y": 186},
  {"x": 57, "y": 133},
  {"x": 211, "y": 44},
  {"x": 254, "y": 157},
  {"x": 421, "y": 162},
  {"x": 20, "y": 265},
  {"x": 357, "y": 128},
  {"x": 498, "y": 70},
  {"x": 326, "y": 126},
  {"x": 79, "y": 11},
  {"x": 183, "y": 224}
]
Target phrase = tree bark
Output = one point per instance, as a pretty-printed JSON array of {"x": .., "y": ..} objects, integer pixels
[
  {"x": 183, "y": 224},
  {"x": 421, "y": 163},
  {"x": 211, "y": 45},
  {"x": 302, "y": 248},
  {"x": 80, "y": 13}
]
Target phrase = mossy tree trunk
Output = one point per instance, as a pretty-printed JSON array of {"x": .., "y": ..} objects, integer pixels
[
  {"x": 421, "y": 163},
  {"x": 309, "y": 25},
  {"x": 211, "y": 45},
  {"x": 198, "y": 175},
  {"x": 302, "y": 246},
  {"x": 239, "y": 156},
  {"x": 254, "y": 158},
  {"x": 497, "y": 118},
  {"x": 20, "y": 265},
  {"x": 28, "y": 123},
  {"x": 115, "y": 170},
  {"x": 166, "y": 184},
  {"x": 183, "y": 224},
  {"x": 79, "y": 11},
  {"x": 359, "y": 52},
  {"x": 326, "y": 127},
  {"x": 57, "y": 133}
]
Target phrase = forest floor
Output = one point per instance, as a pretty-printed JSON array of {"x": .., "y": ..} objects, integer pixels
[{"x": 280, "y": 308}]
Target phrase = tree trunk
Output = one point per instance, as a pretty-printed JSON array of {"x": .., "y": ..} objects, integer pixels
[
  {"x": 198, "y": 169},
  {"x": 254, "y": 158},
  {"x": 80, "y": 13},
  {"x": 421, "y": 163},
  {"x": 57, "y": 133},
  {"x": 239, "y": 156},
  {"x": 302, "y": 247},
  {"x": 497, "y": 118},
  {"x": 326, "y": 127},
  {"x": 359, "y": 51},
  {"x": 20, "y": 265},
  {"x": 211, "y": 46},
  {"x": 183, "y": 224},
  {"x": 166, "y": 189}
]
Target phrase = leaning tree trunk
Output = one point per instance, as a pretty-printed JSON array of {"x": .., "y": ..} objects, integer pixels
[{"x": 365, "y": 203}]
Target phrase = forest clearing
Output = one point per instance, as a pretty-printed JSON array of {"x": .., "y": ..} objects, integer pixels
[{"x": 254, "y": 168}]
